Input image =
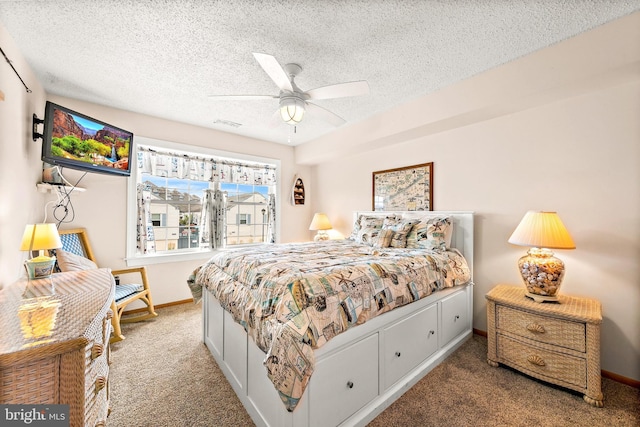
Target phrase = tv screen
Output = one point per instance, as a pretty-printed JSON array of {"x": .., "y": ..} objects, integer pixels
[{"x": 76, "y": 141}]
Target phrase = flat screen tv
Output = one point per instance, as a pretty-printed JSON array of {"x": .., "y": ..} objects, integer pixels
[{"x": 76, "y": 141}]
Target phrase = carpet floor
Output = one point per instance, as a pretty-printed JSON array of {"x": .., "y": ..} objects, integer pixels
[{"x": 163, "y": 375}]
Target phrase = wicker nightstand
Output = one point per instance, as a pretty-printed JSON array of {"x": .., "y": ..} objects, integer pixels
[{"x": 555, "y": 342}]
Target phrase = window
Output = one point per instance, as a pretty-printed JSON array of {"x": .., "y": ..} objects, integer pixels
[
  {"x": 176, "y": 208},
  {"x": 196, "y": 202},
  {"x": 246, "y": 220},
  {"x": 158, "y": 220}
]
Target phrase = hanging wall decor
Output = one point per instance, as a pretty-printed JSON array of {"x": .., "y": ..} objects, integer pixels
[
  {"x": 405, "y": 189},
  {"x": 297, "y": 193}
]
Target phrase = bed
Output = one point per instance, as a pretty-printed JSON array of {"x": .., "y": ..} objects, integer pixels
[{"x": 331, "y": 333}]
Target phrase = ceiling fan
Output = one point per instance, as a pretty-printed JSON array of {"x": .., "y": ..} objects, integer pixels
[{"x": 293, "y": 101}]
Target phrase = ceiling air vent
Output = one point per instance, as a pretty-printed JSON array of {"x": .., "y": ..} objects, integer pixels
[{"x": 227, "y": 123}]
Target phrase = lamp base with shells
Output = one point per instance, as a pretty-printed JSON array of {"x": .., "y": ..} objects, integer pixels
[{"x": 542, "y": 274}]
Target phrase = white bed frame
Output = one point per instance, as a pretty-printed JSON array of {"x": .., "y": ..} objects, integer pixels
[{"x": 360, "y": 372}]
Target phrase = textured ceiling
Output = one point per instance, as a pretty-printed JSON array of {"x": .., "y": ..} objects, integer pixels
[{"x": 165, "y": 57}]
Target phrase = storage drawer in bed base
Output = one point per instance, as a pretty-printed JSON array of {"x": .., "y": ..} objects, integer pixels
[{"x": 361, "y": 350}]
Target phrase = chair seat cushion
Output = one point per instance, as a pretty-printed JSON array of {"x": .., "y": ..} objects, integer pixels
[{"x": 123, "y": 291}]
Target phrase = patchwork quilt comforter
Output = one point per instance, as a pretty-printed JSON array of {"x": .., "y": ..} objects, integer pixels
[{"x": 293, "y": 298}]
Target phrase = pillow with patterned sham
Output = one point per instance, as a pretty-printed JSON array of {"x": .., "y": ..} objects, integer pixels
[
  {"x": 384, "y": 238},
  {"x": 400, "y": 232},
  {"x": 431, "y": 233},
  {"x": 399, "y": 239},
  {"x": 362, "y": 221},
  {"x": 391, "y": 221},
  {"x": 368, "y": 221},
  {"x": 368, "y": 235}
]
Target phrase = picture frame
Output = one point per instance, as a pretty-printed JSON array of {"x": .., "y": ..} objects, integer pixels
[{"x": 409, "y": 188}]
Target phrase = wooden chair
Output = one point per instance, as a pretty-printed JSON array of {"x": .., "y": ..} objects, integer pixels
[{"x": 76, "y": 242}]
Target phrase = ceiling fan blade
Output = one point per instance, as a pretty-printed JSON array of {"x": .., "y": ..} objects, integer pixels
[
  {"x": 325, "y": 114},
  {"x": 241, "y": 97},
  {"x": 340, "y": 90},
  {"x": 271, "y": 66}
]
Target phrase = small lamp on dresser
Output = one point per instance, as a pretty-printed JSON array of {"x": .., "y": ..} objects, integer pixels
[
  {"x": 39, "y": 237},
  {"x": 541, "y": 271},
  {"x": 320, "y": 223}
]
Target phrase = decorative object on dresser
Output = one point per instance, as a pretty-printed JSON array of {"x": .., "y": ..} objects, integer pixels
[
  {"x": 556, "y": 343},
  {"x": 542, "y": 272},
  {"x": 67, "y": 364},
  {"x": 40, "y": 237},
  {"x": 321, "y": 224},
  {"x": 76, "y": 254},
  {"x": 408, "y": 188}
]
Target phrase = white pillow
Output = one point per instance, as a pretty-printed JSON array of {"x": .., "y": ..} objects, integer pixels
[{"x": 68, "y": 261}]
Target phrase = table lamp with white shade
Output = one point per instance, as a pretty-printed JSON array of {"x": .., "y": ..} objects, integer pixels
[
  {"x": 541, "y": 271},
  {"x": 320, "y": 223},
  {"x": 40, "y": 237}
]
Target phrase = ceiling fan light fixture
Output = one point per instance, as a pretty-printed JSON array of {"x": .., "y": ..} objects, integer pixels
[{"x": 291, "y": 110}]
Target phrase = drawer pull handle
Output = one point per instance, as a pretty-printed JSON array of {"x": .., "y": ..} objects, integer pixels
[
  {"x": 536, "y": 360},
  {"x": 101, "y": 382},
  {"x": 349, "y": 384},
  {"x": 432, "y": 332},
  {"x": 534, "y": 327},
  {"x": 397, "y": 354},
  {"x": 456, "y": 318},
  {"x": 96, "y": 351}
]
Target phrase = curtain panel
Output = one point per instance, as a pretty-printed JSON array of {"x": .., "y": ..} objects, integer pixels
[
  {"x": 213, "y": 218},
  {"x": 145, "y": 237},
  {"x": 173, "y": 165},
  {"x": 271, "y": 219}
]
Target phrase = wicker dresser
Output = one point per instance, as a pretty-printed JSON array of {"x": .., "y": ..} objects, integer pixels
[
  {"x": 555, "y": 342},
  {"x": 54, "y": 346}
]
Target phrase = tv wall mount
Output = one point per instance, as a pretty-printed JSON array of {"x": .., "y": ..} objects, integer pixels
[{"x": 34, "y": 131}]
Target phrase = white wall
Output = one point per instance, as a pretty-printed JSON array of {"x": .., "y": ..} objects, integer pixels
[
  {"x": 20, "y": 168},
  {"x": 574, "y": 150}
]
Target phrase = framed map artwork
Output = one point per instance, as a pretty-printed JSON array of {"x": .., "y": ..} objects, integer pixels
[{"x": 404, "y": 189}]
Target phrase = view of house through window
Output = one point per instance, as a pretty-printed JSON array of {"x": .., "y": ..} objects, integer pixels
[
  {"x": 246, "y": 213},
  {"x": 176, "y": 208}
]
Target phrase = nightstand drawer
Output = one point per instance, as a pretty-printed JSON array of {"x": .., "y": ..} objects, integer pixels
[
  {"x": 564, "y": 333},
  {"x": 541, "y": 363}
]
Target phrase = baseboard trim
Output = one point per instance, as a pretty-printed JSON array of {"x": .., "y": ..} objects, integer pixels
[
  {"x": 606, "y": 374},
  {"x": 619, "y": 378},
  {"x": 479, "y": 332},
  {"x": 156, "y": 306}
]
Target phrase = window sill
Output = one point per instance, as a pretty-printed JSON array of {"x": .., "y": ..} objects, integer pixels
[{"x": 164, "y": 258}]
